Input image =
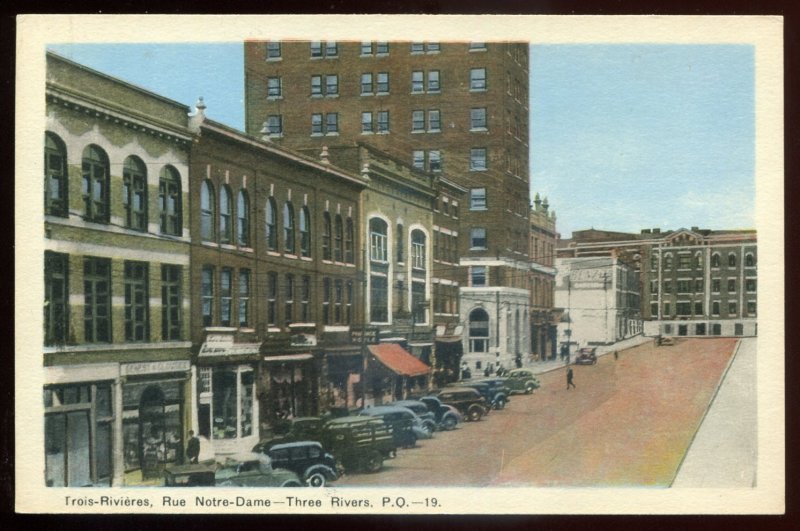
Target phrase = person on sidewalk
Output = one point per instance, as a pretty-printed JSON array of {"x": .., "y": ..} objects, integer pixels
[
  {"x": 193, "y": 448},
  {"x": 616, "y": 355},
  {"x": 569, "y": 378}
]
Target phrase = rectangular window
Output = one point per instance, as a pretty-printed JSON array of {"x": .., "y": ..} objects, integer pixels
[
  {"x": 418, "y": 308},
  {"x": 383, "y": 121},
  {"x": 273, "y": 50},
  {"x": 366, "y": 122},
  {"x": 274, "y": 87},
  {"x": 305, "y": 297},
  {"x": 477, "y": 199},
  {"x": 366, "y": 84},
  {"x": 477, "y": 79},
  {"x": 225, "y": 296},
  {"x": 478, "y": 238},
  {"x": 434, "y": 121},
  {"x": 316, "y": 86},
  {"x": 477, "y": 159},
  {"x": 731, "y": 285},
  {"x": 667, "y": 312},
  {"x": 715, "y": 285},
  {"x": 331, "y": 123},
  {"x": 683, "y": 286},
  {"x": 419, "y": 159},
  {"x": 378, "y": 249},
  {"x": 478, "y": 276},
  {"x": 332, "y": 85},
  {"x": 331, "y": 49},
  {"x": 288, "y": 314},
  {"x": 326, "y": 301},
  {"x": 348, "y": 301},
  {"x": 316, "y": 124},
  {"x": 378, "y": 299},
  {"x": 477, "y": 119},
  {"x": 244, "y": 298},
  {"x": 417, "y": 83},
  {"x": 715, "y": 308},
  {"x": 683, "y": 308},
  {"x": 698, "y": 285},
  {"x": 731, "y": 308},
  {"x": 417, "y": 47},
  {"x": 751, "y": 308},
  {"x": 433, "y": 81},
  {"x": 316, "y": 49},
  {"x": 338, "y": 296},
  {"x": 667, "y": 286},
  {"x": 97, "y": 300},
  {"x": 433, "y": 47},
  {"x": 417, "y": 121},
  {"x": 272, "y": 298},
  {"x": 750, "y": 285},
  {"x": 418, "y": 254},
  {"x": 275, "y": 124},
  {"x": 382, "y": 48},
  {"x": 684, "y": 261},
  {"x": 207, "y": 295},
  {"x": 477, "y": 46},
  {"x": 653, "y": 286},
  {"x": 137, "y": 299},
  {"x": 171, "y": 302},
  {"x": 56, "y": 298},
  {"x": 383, "y": 82},
  {"x": 654, "y": 309},
  {"x": 435, "y": 160},
  {"x": 698, "y": 308},
  {"x": 366, "y": 48}
]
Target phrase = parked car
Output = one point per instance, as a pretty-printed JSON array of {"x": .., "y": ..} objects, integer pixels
[
  {"x": 359, "y": 443},
  {"x": 661, "y": 341},
  {"x": 466, "y": 400},
  {"x": 447, "y": 417},
  {"x": 406, "y": 426},
  {"x": 586, "y": 356},
  {"x": 493, "y": 390},
  {"x": 307, "y": 459},
  {"x": 192, "y": 475},
  {"x": 291, "y": 430},
  {"x": 521, "y": 381},
  {"x": 421, "y": 410},
  {"x": 253, "y": 469}
]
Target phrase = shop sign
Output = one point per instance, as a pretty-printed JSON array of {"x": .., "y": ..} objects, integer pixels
[
  {"x": 151, "y": 367},
  {"x": 228, "y": 349}
]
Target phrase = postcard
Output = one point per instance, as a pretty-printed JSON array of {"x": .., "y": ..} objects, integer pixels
[{"x": 405, "y": 264}]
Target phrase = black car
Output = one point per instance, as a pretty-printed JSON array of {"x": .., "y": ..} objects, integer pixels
[
  {"x": 447, "y": 417},
  {"x": 427, "y": 417},
  {"x": 466, "y": 400},
  {"x": 307, "y": 459},
  {"x": 493, "y": 390}
]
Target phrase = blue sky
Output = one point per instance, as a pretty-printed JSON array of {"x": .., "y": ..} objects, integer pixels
[{"x": 623, "y": 137}]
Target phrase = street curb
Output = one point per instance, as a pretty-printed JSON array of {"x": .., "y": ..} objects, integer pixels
[{"x": 705, "y": 413}]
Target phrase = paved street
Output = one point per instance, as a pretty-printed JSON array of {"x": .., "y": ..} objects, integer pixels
[{"x": 629, "y": 422}]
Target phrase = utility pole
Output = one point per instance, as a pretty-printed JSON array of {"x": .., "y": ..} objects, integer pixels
[{"x": 364, "y": 320}]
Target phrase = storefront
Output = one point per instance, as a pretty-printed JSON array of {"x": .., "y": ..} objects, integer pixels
[
  {"x": 343, "y": 368},
  {"x": 288, "y": 386},
  {"x": 393, "y": 373}
]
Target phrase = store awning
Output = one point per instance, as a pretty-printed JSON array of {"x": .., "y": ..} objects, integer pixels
[
  {"x": 448, "y": 339},
  {"x": 289, "y": 357},
  {"x": 395, "y": 358}
]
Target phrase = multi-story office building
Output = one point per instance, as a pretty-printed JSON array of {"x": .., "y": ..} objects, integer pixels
[
  {"x": 274, "y": 278},
  {"x": 693, "y": 282},
  {"x": 456, "y": 109},
  {"x": 117, "y": 354},
  {"x": 544, "y": 316}
]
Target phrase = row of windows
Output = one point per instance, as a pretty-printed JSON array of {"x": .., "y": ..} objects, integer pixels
[
  {"x": 686, "y": 261},
  {"x": 422, "y": 81},
  {"x": 697, "y": 286},
  {"x": 97, "y": 295},
  {"x": 337, "y": 234},
  {"x": 445, "y": 247},
  {"x": 446, "y": 206},
  {"x": 445, "y": 299},
  {"x": 330, "y": 49},
  {"x": 479, "y": 331},
  {"x": 95, "y": 188},
  {"x": 696, "y": 309},
  {"x": 379, "y": 244}
]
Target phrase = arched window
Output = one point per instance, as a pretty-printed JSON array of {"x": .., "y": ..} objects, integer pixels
[
  {"x": 698, "y": 260},
  {"x": 349, "y": 257},
  {"x": 272, "y": 222},
  {"x": 288, "y": 227},
  {"x": 94, "y": 166},
  {"x": 55, "y": 176},
  {"x": 134, "y": 193},
  {"x": 731, "y": 260},
  {"x": 668, "y": 261},
  {"x": 478, "y": 330},
  {"x": 225, "y": 211},
  {"x": 243, "y": 218},
  {"x": 305, "y": 232},
  {"x": 338, "y": 239},
  {"x": 170, "y": 201},
  {"x": 207, "y": 203},
  {"x": 417, "y": 249},
  {"x": 327, "y": 231},
  {"x": 378, "y": 230},
  {"x": 749, "y": 260},
  {"x": 715, "y": 260}
]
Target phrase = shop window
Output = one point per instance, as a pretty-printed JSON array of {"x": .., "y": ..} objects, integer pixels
[{"x": 55, "y": 175}]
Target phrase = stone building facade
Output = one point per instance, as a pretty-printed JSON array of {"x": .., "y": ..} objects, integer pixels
[
  {"x": 544, "y": 316},
  {"x": 117, "y": 391}
]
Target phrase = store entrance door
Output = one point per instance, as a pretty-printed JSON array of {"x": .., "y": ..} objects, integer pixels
[{"x": 152, "y": 432}]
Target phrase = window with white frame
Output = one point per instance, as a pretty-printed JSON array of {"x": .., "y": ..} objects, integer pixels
[
  {"x": 316, "y": 86},
  {"x": 477, "y": 79},
  {"x": 378, "y": 237},
  {"x": 382, "y": 48},
  {"x": 366, "y": 48},
  {"x": 434, "y": 82},
  {"x": 477, "y": 46},
  {"x": 418, "y": 159},
  {"x": 434, "y": 121},
  {"x": 366, "y": 122},
  {"x": 383, "y": 122},
  {"x": 383, "y": 83},
  {"x": 417, "y": 121},
  {"x": 477, "y": 117},
  {"x": 477, "y": 276},
  {"x": 417, "y": 81},
  {"x": 273, "y": 50},
  {"x": 477, "y": 159},
  {"x": 477, "y": 199},
  {"x": 434, "y": 160},
  {"x": 274, "y": 87},
  {"x": 477, "y": 238},
  {"x": 417, "y": 249},
  {"x": 366, "y": 84},
  {"x": 332, "y": 85}
]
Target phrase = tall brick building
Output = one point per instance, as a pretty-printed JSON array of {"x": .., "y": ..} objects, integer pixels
[{"x": 455, "y": 109}]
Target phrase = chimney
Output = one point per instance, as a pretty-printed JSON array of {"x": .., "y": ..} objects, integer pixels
[
  {"x": 199, "y": 115},
  {"x": 645, "y": 231},
  {"x": 656, "y": 231},
  {"x": 695, "y": 229}
]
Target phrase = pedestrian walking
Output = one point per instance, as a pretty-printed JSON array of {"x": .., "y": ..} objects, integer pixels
[
  {"x": 616, "y": 355},
  {"x": 570, "y": 383},
  {"x": 193, "y": 448}
]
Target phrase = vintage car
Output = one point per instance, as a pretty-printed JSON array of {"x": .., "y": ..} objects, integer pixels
[
  {"x": 406, "y": 426},
  {"x": 466, "y": 400},
  {"x": 493, "y": 390},
  {"x": 521, "y": 381},
  {"x": 307, "y": 459},
  {"x": 190, "y": 475},
  {"x": 427, "y": 417},
  {"x": 586, "y": 356},
  {"x": 251, "y": 469},
  {"x": 359, "y": 443},
  {"x": 447, "y": 417}
]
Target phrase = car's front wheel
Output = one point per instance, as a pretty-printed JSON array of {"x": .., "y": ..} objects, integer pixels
[
  {"x": 500, "y": 403},
  {"x": 475, "y": 413},
  {"x": 316, "y": 479},
  {"x": 373, "y": 462},
  {"x": 449, "y": 423},
  {"x": 528, "y": 389}
]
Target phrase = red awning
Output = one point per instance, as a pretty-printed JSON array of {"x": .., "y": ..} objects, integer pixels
[{"x": 398, "y": 360}]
